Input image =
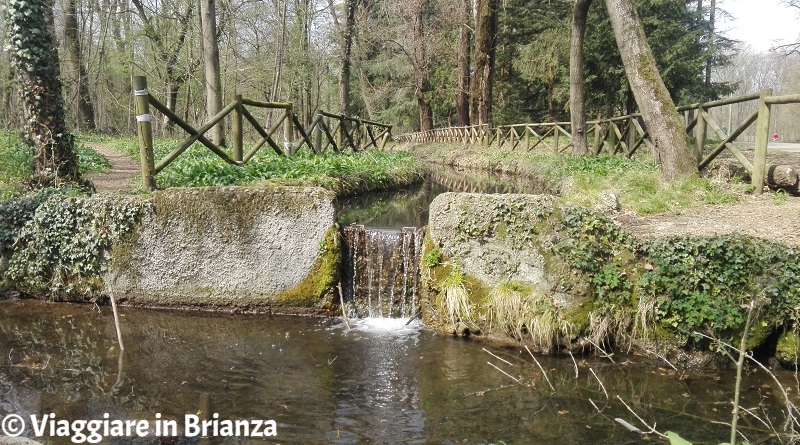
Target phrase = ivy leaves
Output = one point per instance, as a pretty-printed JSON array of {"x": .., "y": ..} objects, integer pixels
[
  {"x": 698, "y": 284},
  {"x": 61, "y": 249},
  {"x": 702, "y": 284}
]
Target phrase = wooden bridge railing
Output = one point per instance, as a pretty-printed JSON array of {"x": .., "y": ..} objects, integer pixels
[
  {"x": 327, "y": 131},
  {"x": 626, "y": 134}
]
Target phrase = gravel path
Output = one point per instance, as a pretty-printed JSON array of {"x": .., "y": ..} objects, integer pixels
[
  {"x": 760, "y": 216},
  {"x": 122, "y": 175}
]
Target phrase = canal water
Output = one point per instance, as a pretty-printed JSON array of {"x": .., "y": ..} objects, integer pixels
[{"x": 377, "y": 381}]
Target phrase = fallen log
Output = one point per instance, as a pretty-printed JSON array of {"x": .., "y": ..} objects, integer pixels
[{"x": 782, "y": 176}]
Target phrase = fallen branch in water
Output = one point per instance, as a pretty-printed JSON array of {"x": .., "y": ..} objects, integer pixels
[
  {"x": 116, "y": 317},
  {"x": 341, "y": 304},
  {"x": 506, "y": 374},
  {"x": 540, "y": 367}
]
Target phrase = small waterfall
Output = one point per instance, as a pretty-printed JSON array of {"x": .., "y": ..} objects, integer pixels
[{"x": 380, "y": 276}]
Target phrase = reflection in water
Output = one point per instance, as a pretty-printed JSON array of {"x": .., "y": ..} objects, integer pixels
[
  {"x": 324, "y": 383},
  {"x": 409, "y": 207}
]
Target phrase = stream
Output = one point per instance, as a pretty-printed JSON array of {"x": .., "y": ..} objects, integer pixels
[
  {"x": 374, "y": 380},
  {"x": 379, "y": 381}
]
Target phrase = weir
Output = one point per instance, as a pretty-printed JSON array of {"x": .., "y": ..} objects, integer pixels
[{"x": 380, "y": 276}]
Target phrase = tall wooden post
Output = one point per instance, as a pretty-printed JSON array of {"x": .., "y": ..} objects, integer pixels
[
  {"x": 700, "y": 135},
  {"x": 238, "y": 141},
  {"x": 318, "y": 134},
  {"x": 145, "y": 130},
  {"x": 598, "y": 133},
  {"x": 288, "y": 133},
  {"x": 762, "y": 139},
  {"x": 612, "y": 138},
  {"x": 341, "y": 140},
  {"x": 556, "y": 137},
  {"x": 631, "y": 132}
]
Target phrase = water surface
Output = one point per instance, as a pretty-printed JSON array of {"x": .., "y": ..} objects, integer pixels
[{"x": 378, "y": 381}]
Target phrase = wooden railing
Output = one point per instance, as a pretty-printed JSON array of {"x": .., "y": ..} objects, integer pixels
[
  {"x": 626, "y": 134},
  {"x": 327, "y": 131}
]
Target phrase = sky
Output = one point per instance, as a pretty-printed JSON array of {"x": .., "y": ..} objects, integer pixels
[{"x": 761, "y": 23}]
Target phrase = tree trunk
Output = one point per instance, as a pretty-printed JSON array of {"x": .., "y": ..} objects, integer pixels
[
  {"x": 577, "y": 89},
  {"x": 483, "y": 79},
  {"x": 347, "y": 46},
  {"x": 671, "y": 145},
  {"x": 212, "y": 85},
  {"x": 712, "y": 13},
  {"x": 35, "y": 60},
  {"x": 464, "y": 40},
  {"x": 422, "y": 69},
  {"x": 72, "y": 42}
]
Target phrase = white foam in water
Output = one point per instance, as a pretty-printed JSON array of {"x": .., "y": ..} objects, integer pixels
[{"x": 380, "y": 324}]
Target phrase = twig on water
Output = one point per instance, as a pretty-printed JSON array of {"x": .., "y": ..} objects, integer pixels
[
  {"x": 498, "y": 358},
  {"x": 574, "y": 363},
  {"x": 603, "y": 387},
  {"x": 341, "y": 304},
  {"x": 791, "y": 408},
  {"x": 595, "y": 406},
  {"x": 506, "y": 374},
  {"x": 652, "y": 428},
  {"x": 664, "y": 359},
  {"x": 540, "y": 367},
  {"x": 116, "y": 317},
  {"x": 603, "y": 352}
]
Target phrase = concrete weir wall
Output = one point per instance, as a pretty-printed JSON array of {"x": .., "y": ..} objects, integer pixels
[{"x": 231, "y": 248}]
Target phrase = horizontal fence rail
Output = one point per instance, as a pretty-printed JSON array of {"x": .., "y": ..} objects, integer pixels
[
  {"x": 624, "y": 135},
  {"x": 327, "y": 131}
]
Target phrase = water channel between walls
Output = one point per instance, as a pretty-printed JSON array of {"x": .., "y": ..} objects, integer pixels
[
  {"x": 383, "y": 234},
  {"x": 375, "y": 378}
]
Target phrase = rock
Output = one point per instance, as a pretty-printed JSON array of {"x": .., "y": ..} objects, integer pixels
[
  {"x": 788, "y": 349},
  {"x": 609, "y": 202},
  {"x": 782, "y": 176},
  {"x": 5, "y": 440}
]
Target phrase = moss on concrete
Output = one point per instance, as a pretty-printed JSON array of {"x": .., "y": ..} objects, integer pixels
[
  {"x": 317, "y": 289},
  {"x": 788, "y": 348}
]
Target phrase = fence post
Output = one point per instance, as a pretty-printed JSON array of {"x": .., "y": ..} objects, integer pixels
[
  {"x": 237, "y": 130},
  {"x": 762, "y": 139},
  {"x": 288, "y": 132},
  {"x": 145, "y": 130},
  {"x": 318, "y": 133},
  {"x": 386, "y": 137},
  {"x": 597, "y": 143},
  {"x": 700, "y": 135},
  {"x": 340, "y": 138},
  {"x": 631, "y": 133},
  {"x": 556, "y": 137}
]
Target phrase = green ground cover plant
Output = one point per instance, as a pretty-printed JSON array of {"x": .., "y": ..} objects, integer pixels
[
  {"x": 16, "y": 164},
  {"x": 582, "y": 179},
  {"x": 344, "y": 173}
]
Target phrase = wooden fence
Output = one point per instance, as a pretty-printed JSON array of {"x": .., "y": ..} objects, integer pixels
[
  {"x": 624, "y": 135},
  {"x": 327, "y": 131}
]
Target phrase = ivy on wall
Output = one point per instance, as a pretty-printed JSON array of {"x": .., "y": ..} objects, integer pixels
[{"x": 59, "y": 244}]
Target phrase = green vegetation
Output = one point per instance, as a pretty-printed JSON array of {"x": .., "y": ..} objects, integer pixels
[
  {"x": 581, "y": 179},
  {"x": 60, "y": 242},
  {"x": 344, "y": 173},
  {"x": 456, "y": 303},
  {"x": 90, "y": 161},
  {"x": 673, "y": 291},
  {"x": 16, "y": 165}
]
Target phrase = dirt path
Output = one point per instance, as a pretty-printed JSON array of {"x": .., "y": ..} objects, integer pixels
[
  {"x": 120, "y": 177},
  {"x": 761, "y": 216}
]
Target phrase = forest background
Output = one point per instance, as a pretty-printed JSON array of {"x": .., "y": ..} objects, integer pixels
[{"x": 414, "y": 64}]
